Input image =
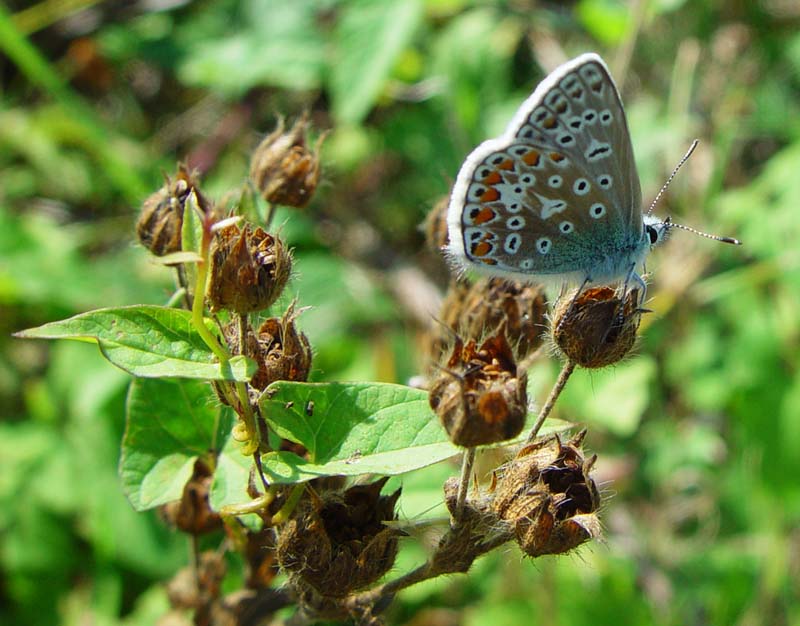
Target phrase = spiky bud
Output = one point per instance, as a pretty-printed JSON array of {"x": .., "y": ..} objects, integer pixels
[
  {"x": 597, "y": 328},
  {"x": 337, "y": 543},
  {"x": 249, "y": 269},
  {"x": 161, "y": 219},
  {"x": 480, "y": 395},
  {"x": 283, "y": 168},
  {"x": 546, "y": 494}
]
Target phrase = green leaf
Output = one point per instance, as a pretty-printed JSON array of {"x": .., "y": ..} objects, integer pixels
[
  {"x": 278, "y": 43},
  {"x": 353, "y": 428},
  {"x": 370, "y": 36},
  {"x": 192, "y": 228},
  {"x": 147, "y": 341},
  {"x": 170, "y": 424}
]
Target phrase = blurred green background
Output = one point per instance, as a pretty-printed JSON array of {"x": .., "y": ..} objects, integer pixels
[{"x": 698, "y": 434}]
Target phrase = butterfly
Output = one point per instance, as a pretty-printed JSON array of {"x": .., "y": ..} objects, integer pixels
[{"x": 557, "y": 195}]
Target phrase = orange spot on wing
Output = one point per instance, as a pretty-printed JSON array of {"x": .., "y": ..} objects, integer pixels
[
  {"x": 490, "y": 195},
  {"x": 484, "y": 216},
  {"x": 508, "y": 164},
  {"x": 481, "y": 248},
  {"x": 532, "y": 158},
  {"x": 556, "y": 157},
  {"x": 550, "y": 123},
  {"x": 493, "y": 178}
]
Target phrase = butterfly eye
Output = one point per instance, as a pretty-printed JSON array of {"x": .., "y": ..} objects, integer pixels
[{"x": 652, "y": 235}]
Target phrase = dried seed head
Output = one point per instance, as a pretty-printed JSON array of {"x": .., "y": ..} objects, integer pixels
[
  {"x": 283, "y": 169},
  {"x": 597, "y": 328},
  {"x": 546, "y": 494},
  {"x": 249, "y": 269},
  {"x": 160, "y": 222},
  {"x": 337, "y": 543},
  {"x": 480, "y": 395},
  {"x": 284, "y": 353},
  {"x": 521, "y": 306},
  {"x": 281, "y": 351},
  {"x": 192, "y": 513}
]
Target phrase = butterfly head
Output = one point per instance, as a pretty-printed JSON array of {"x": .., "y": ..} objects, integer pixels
[{"x": 655, "y": 229}]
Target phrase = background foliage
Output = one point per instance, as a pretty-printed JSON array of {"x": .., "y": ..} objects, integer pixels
[{"x": 698, "y": 434}]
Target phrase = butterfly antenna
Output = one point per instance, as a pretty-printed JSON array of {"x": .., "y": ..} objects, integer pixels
[
  {"x": 672, "y": 224},
  {"x": 671, "y": 176}
]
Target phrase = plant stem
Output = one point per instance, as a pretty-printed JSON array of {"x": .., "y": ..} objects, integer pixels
[
  {"x": 288, "y": 508},
  {"x": 555, "y": 392},
  {"x": 467, "y": 462}
]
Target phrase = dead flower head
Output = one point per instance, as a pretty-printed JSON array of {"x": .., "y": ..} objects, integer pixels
[{"x": 480, "y": 395}]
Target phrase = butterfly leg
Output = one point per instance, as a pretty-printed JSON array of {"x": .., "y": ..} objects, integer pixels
[{"x": 635, "y": 277}]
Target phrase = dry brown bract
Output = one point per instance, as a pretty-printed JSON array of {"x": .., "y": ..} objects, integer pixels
[
  {"x": 283, "y": 169},
  {"x": 249, "y": 269},
  {"x": 597, "y": 328},
  {"x": 480, "y": 395},
  {"x": 548, "y": 497},
  {"x": 337, "y": 543}
]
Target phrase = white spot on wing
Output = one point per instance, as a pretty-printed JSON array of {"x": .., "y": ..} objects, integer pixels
[{"x": 551, "y": 207}]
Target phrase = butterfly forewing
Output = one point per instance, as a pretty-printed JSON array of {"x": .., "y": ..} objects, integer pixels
[{"x": 559, "y": 187}]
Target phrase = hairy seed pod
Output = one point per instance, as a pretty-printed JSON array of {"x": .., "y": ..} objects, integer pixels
[
  {"x": 597, "y": 328},
  {"x": 546, "y": 494},
  {"x": 161, "y": 219},
  {"x": 249, "y": 269},
  {"x": 337, "y": 543},
  {"x": 283, "y": 353},
  {"x": 480, "y": 395},
  {"x": 283, "y": 168}
]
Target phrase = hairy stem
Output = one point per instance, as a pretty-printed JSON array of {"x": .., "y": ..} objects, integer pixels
[
  {"x": 555, "y": 392},
  {"x": 467, "y": 462}
]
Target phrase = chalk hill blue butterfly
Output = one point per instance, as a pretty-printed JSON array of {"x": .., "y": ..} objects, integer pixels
[{"x": 557, "y": 194}]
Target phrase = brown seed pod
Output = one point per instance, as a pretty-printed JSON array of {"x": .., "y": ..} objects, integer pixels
[
  {"x": 284, "y": 352},
  {"x": 283, "y": 169},
  {"x": 597, "y": 328},
  {"x": 546, "y": 494},
  {"x": 161, "y": 219},
  {"x": 337, "y": 543},
  {"x": 280, "y": 349},
  {"x": 192, "y": 513},
  {"x": 249, "y": 269},
  {"x": 480, "y": 395}
]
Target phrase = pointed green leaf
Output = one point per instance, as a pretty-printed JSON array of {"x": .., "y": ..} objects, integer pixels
[
  {"x": 353, "y": 428},
  {"x": 147, "y": 341},
  {"x": 192, "y": 229},
  {"x": 169, "y": 425}
]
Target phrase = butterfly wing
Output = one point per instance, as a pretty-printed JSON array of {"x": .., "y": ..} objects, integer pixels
[{"x": 558, "y": 192}]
